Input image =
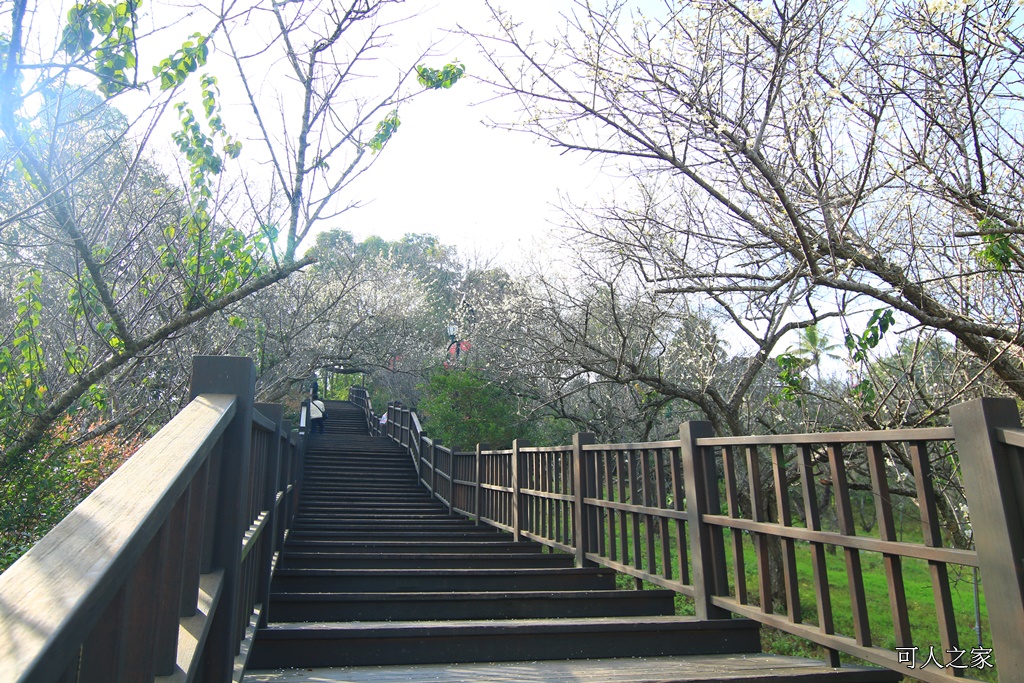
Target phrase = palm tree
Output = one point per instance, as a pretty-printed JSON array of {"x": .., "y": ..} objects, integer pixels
[{"x": 813, "y": 346}]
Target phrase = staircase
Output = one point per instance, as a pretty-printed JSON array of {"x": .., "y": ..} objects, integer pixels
[{"x": 377, "y": 574}]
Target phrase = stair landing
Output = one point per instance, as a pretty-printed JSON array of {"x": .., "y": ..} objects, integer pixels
[{"x": 687, "y": 669}]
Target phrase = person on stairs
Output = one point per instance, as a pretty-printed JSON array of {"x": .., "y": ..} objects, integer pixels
[{"x": 317, "y": 413}]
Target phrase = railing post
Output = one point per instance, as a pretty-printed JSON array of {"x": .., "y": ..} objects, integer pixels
[
  {"x": 451, "y": 482},
  {"x": 228, "y": 375},
  {"x": 994, "y": 485},
  {"x": 298, "y": 471},
  {"x": 706, "y": 543},
  {"x": 433, "y": 468},
  {"x": 289, "y": 462},
  {"x": 476, "y": 485},
  {"x": 407, "y": 427},
  {"x": 399, "y": 424},
  {"x": 275, "y": 413},
  {"x": 394, "y": 414},
  {"x": 517, "y": 498},
  {"x": 580, "y": 488},
  {"x": 418, "y": 460}
]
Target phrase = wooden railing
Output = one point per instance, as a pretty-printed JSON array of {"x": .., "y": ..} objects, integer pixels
[
  {"x": 163, "y": 572},
  {"x": 686, "y": 514}
]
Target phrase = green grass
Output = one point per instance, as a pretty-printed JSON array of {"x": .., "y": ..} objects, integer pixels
[{"x": 917, "y": 581}]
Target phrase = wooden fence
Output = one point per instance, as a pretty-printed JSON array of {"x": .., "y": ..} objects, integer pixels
[
  {"x": 684, "y": 513},
  {"x": 164, "y": 571}
]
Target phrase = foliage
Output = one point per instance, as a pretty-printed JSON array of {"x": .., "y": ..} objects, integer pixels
[
  {"x": 114, "y": 273},
  {"x": 115, "y": 53},
  {"x": 445, "y": 77},
  {"x": 879, "y": 323},
  {"x": 192, "y": 54},
  {"x": 126, "y": 259},
  {"x": 40, "y": 491},
  {"x": 385, "y": 129},
  {"x": 212, "y": 266},
  {"x": 21, "y": 363},
  {"x": 791, "y": 368},
  {"x": 464, "y": 408}
]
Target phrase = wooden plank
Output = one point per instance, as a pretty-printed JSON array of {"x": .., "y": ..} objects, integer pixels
[
  {"x": 516, "y": 484},
  {"x": 732, "y": 507},
  {"x": 55, "y": 593},
  {"x": 623, "y": 529},
  {"x": 887, "y": 532},
  {"x": 594, "y": 535},
  {"x": 700, "y": 485},
  {"x": 874, "y": 436},
  {"x": 680, "y": 669},
  {"x": 673, "y": 443},
  {"x": 601, "y": 467},
  {"x": 477, "y": 471},
  {"x": 967, "y": 558},
  {"x": 556, "y": 487},
  {"x": 662, "y": 502},
  {"x": 215, "y": 460},
  {"x": 641, "y": 575},
  {"x": 822, "y": 594},
  {"x": 648, "y": 523},
  {"x": 169, "y": 592},
  {"x": 993, "y": 478},
  {"x": 636, "y": 559},
  {"x": 932, "y": 537},
  {"x": 665, "y": 513},
  {"x": 678, "y": 499},
  {"x": 138, "y": 631},
  {"x": 568, "y": 549},
  {"x": 847, "y": 526},
  {"x": 542, "y": 449},
  {"x": 613, "y": 551},
  {"x": 761, "y": 540},
  {"x": 101, "y": 652},
  {"x": 546, "y": 475},
  {"x": 581, "y": 532},
  {"x": 495, "y": 487},
  {"x": 238, "y": 376},
  {"x": 193, "y": 543},
  {"x": 785, "y": 518}
]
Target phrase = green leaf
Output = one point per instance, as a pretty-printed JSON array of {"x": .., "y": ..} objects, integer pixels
[
  {"x": 446, "y": 77},
  {"x": 385, "y": 129},
  {"x": 175, "y": 69}
]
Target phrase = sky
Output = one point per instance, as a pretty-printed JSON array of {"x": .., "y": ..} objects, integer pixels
[{"x": 491, "y": 193}]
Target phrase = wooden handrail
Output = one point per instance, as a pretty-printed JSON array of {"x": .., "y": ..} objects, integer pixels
[
  {"x": 159, "y": 572},
  {"x": 52, "y": 597},
  {"x": 651, "y": 510}
]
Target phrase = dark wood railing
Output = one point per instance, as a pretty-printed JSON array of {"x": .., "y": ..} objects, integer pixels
[
  {"x": 684, "y": 513},
  {"x": 163, "y": 572}
]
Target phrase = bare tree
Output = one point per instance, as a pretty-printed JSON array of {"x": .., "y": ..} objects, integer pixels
[
  {"x": 320, "y": 100},
  {"x": 853, "y": 157}
]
